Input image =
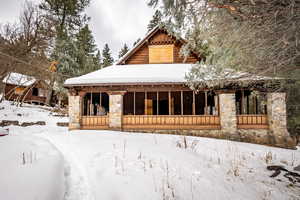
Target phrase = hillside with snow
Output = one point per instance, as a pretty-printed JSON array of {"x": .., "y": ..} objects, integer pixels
[{"x": 48, "y": 162}]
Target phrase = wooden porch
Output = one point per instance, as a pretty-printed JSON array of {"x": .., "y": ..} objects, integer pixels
[
  {"x": 94, "y": 122},
  {"x": 170, "y": 122},
  {"x": 252, "y": 122}
]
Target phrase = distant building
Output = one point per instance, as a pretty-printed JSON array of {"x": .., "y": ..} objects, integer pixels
[
  {"x": 25, "y": 88},
  {"x": 146, "y": 91}
]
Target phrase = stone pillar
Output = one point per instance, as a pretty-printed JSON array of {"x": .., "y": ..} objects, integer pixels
[
  {"x": 228, "y": 119},
  {"x": 115, "y": 110},
  {"x": 276, "y": 106},
  {"x": 74, "y": 112}
]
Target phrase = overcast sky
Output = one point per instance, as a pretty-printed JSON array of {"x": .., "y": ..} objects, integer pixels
[{"x": 112, "y": 21}]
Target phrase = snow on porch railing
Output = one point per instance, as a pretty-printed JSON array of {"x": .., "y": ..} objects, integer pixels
[
  {"x": 171, "y": 122},
  {"x": 94, "y": 122},
  {"x": 252, "y": 121}
]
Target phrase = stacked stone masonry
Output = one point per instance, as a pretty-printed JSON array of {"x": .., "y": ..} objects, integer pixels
[
  {"x": 115, "y": 111},
  {"x": 74, "y": 112}
]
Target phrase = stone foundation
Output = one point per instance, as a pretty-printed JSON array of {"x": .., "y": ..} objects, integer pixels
[
  {"x": 115, "y": 110},
  {"x": 228, "y": 118},
  {"x": 277, "y": 116},
  {"x": 256, "y": 136},
  {"x": 74, "y": 112}
]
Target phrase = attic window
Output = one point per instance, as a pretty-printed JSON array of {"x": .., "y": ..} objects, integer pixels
[{"x": 161, "y": 54}]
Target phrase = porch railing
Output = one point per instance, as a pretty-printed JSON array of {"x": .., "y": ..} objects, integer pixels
[
  {"x": 170, "y": 122},
  {"x": 94, "y": 122},
  {"x": 252, "y": 121}
]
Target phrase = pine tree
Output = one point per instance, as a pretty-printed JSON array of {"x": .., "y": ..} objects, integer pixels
[
  {"x": 123, "y": 51},
  {"x": 85, "y": 41},
  {"x": 68, "y": 14},
  {"x": 107, "y": 58},
  {"x": 156, "y": 20},
  {"x": 98, "y": 60},
  {"x": 137, "y": 41},
  {"x": 86, "y": 51}
]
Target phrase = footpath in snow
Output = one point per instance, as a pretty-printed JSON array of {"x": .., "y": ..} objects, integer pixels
[{"x": 90, "y": 165}]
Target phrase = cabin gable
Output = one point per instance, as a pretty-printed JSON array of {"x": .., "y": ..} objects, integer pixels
[{"x": 160, "y": 47}]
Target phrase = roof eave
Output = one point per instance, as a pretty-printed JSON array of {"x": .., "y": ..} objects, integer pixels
[{"x": 122, "y": 84}]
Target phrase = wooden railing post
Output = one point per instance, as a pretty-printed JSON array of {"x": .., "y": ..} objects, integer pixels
[
  {"x": 146, "y": 105},
  {"x": 91, "y": 103},
  {"x": 100, "y": 102},
  {"x": 134, "y": 103},
  {"x": 205, "y": 108},
  {"x": 194, "y": 104},
  {"x": 181, "y": 101},
  {"x": 157, "y": 103},
  {"x": 170, "y": 107}
]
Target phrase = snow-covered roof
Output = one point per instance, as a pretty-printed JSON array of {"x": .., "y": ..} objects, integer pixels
[
  {"x": 154, "y": 74},
  {"x": 19, "y": 79},
  {"x": 138, "y": 73}
]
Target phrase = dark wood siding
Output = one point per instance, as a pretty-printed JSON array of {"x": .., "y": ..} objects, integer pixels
[
  {"x": 10, "y": 94},
  {"x": 178, "y": 58},
  {"x": 141, "y": 56}
]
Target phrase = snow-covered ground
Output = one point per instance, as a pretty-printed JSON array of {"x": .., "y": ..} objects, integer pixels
[{"x": 92, "y": 165}]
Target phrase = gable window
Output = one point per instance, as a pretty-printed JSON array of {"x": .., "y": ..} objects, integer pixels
[{"x": 161, "y": 54}]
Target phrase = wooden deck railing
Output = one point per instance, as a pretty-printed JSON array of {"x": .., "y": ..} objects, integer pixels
[
  {"x": 171, "y": 122},
  {"x": 94, "y": 122},
  {"x": 252, "y": 121}
]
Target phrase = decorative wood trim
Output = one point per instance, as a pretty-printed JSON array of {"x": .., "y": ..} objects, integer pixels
[
  {"x": 94, "y": 122},
  {"x": 116, "y": 92},
  {"x": 252, "y": 121}
]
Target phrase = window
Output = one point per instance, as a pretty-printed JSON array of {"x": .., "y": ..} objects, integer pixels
[
  {"x": 250, "y": 102},
  {"x": 161, "y": 53},
  {"x": 19, "y": 90},
  {"x": 95, "y": 104},
  {"x": 42, "y": 92},
  {"x": 35, "y": 92}
]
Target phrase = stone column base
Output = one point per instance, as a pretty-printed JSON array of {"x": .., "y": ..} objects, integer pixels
[{"x": 74, "y": 126}]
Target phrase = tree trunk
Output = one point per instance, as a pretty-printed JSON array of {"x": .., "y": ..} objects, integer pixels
[{"x": 49, "y": 94}]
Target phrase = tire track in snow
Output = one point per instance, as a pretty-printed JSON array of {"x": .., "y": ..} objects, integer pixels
[{"x": 76, "y": 181}]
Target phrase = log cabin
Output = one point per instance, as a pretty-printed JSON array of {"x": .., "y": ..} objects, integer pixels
[
  {"x": 25, "y": 88},
  {"x": 146, "y": 91}
]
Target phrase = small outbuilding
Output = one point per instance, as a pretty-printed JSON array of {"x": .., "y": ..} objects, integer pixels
[{"x": 25, "y": 88}]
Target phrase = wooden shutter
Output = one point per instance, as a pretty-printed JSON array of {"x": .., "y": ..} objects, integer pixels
[
  {"x": 149, "y": 108},
  {"x": 161, "y": 54}
]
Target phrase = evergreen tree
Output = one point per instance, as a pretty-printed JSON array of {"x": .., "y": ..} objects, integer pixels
[
  {"x": 86, "y": 51},
  {"x": 123, "y": 51},
  {"x": 137, "y": 41},
  {"x": 68, "y": 13},
  {"x": 68, "y": 17},
  {"x": 98, "y": 60},
  {"x": 156, "y": 20},
  {"x": 107, "y": 58},
  {"x": 85, "y": 41}
]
